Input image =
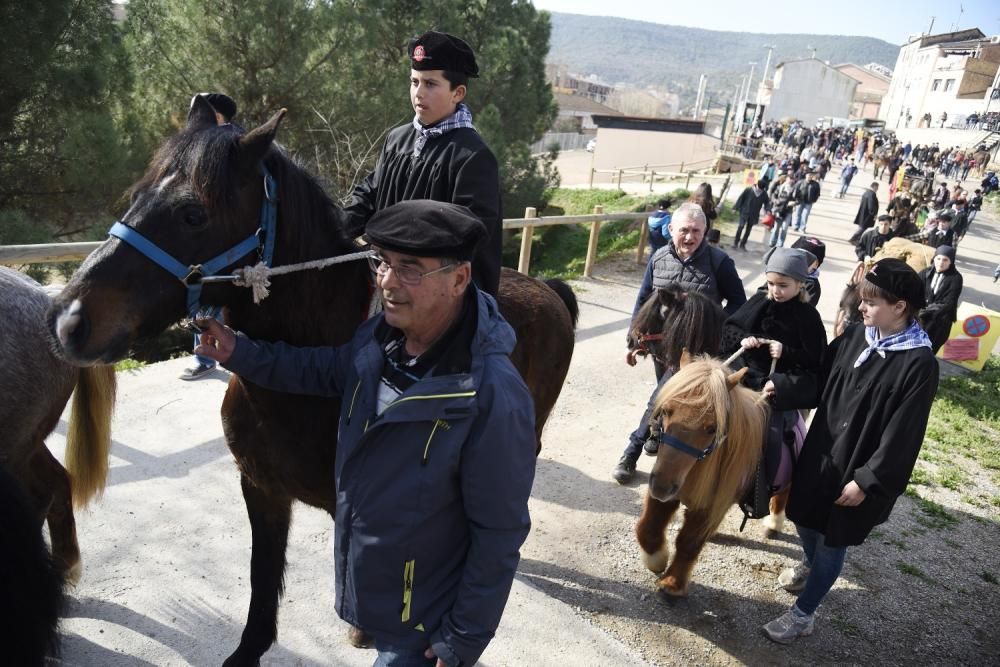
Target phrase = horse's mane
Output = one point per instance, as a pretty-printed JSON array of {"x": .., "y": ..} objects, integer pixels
[
  {"x": 208, "y": 158},
  {"x": 740, "y": 417},
  {"x": 692, "y": 321}
]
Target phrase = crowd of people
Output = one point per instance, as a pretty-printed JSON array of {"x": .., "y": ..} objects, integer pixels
[{"x": 858, "y": 453}]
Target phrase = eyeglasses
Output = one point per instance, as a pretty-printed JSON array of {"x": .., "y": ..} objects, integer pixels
[{"x": 408, "y": 275}]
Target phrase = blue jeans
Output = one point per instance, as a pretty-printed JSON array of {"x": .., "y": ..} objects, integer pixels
[
  {"x": 825, "y": 563},
  {"x": 390, "y": 656},
  {"x": 802, "y": 216},
  {"x": 780, "y": 231},
  {"x": 843, "y": 187}
]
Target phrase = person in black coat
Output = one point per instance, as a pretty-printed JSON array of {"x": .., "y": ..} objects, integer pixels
[
  {"x": 942, "y": 290},
  {"x": 867, "y": 210},
  {"x": 873, "y": 239},
  {"x": 878, "y": 382},
  {"x": 439, "y": 155},
  {"x": 749, "y": 204}
]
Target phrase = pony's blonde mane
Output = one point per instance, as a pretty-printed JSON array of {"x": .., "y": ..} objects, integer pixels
[{"x": 716, "y": 481}]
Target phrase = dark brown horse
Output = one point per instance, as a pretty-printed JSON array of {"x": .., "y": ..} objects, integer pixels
[
  {"x": 35, "y": 385},
  {"x": 201, "y": 194}
]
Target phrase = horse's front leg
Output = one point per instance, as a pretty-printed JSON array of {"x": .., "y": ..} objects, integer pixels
[
  {"x": 651, "y": 531},
  {"x": 50, "y": 486},
  {"x": 690, "y": 541},
  {"x": 775, "y": 520},
  {"x": 270, "y": 519}
]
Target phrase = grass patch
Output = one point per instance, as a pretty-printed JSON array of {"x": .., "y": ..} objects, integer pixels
[
  {"x": 988, "y": 578},
  {"x": 129, "y": 365},
  {"x": 965, "y": 419},
  {"x": 952, "y": 543},
  {"x": 952, "y": 477},
  {"x": 911, "y": 570},
  {"x": 920, "y": 477},
  {"x": 933, "y": 515},
  {"x": 846, "y": 627},
  {"x": 899, "y": 544}
]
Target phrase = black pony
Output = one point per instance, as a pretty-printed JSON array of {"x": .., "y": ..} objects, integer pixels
[{"x": 201, "y": 195}]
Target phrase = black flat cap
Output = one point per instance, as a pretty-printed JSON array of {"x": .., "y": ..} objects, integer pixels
[
  {"x": 222, "y": 104},
  {"x": 426, "y": 228},
  {"x": 898, "y": 279},
  {"x": 439, "y": 50},
  {"x": 812, "y": 245}
]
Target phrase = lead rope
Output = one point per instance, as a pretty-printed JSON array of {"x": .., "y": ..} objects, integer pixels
[{"x": 258, "y": 277}]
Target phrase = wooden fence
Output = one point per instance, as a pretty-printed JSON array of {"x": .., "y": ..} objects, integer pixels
[{"x": 62, "y": 252}]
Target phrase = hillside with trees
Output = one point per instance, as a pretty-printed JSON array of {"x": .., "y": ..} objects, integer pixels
[{"x": 672, "y": 58}]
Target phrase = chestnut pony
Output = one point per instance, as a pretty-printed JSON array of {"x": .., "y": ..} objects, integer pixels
[
  {"x": 203, "y": 194},
  {"x": 711, "y": 432}
]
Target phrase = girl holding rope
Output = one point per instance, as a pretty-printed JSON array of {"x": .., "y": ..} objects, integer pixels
[{"x": 779, "y": 337}]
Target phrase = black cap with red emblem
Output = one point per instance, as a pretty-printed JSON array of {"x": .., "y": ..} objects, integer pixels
[{"x": 438, "y": 50}]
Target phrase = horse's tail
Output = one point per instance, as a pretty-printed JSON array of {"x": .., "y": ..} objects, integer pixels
[
  {"x": 88, "y": 440},
  {"x": 565, "y": 293}
]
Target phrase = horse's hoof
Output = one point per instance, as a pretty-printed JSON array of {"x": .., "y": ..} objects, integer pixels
[
  {"x": 237, "y": 660},
  {"x": 774, "y": 523},
  {"x": 73, "y": 574},
  {"x": 669, "y": 598},
  {"x": 656, "y": 562},
  {"x": 669, "y": 587}
]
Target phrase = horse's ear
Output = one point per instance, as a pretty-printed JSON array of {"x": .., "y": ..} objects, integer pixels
[
  {"x": 255, "y": 143},
  {"x": 200, "y": 114},
  {"x": 686, "y": 358},
  {"x": 733, "y": 379}
]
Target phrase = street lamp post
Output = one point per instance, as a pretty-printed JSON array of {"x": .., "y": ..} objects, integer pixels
[{"x": 767, "y": 65}]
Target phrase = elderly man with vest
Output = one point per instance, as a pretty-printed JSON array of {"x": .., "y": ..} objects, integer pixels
[
  {"x": 436, "y": 450},
  {"x": 690, "y": 261}
]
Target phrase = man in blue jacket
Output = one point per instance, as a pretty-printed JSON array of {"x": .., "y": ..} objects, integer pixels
[{"x": 436, "y": 448}]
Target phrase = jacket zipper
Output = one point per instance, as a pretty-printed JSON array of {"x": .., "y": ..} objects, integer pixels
[
  {"x": 408, "y": 568},
  {"x": 354, "y": 397}
]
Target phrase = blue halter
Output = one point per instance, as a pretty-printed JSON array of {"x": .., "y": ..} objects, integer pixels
[
  {"x": 191, "y": 276},
  {"x": 680, "y": 445}
]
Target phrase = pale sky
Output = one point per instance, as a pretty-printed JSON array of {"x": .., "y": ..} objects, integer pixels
[{"x": 891, "y": 20}]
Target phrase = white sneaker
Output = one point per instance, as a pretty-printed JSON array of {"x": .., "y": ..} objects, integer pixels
[
  {"x": 789, "y": 626},
  {"x": 793, "y": 579}
]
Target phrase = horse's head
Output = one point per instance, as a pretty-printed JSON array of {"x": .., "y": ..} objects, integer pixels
[
  {"x": 672, "y": 321},
  {"x": 693, "y": 413},
  {"x": 200, "y": 197}
]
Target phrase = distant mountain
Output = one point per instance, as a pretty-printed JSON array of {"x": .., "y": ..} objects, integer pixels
[{"x": 673, "y": 57}]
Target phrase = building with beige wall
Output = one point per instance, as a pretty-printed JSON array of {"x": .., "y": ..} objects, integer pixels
[
  {"x": 633, "y": 141},
  {"x": 953, "y": 73},
  {"x": 872, "y": 88}
]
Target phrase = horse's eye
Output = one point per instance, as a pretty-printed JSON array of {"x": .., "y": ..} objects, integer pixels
[
  {"x": 668, "y": 413},
  {"x": 195, "y": 217},
  {"x": 710, "y": 430}
]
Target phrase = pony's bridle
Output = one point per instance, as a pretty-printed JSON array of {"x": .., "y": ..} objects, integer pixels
[
  {"x": 641, "y": 348},
  {"x": 194, "y": 275},
  {"x": 680, "y": 445}
]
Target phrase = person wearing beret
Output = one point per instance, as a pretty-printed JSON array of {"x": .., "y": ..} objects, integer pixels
[
  {"x": 439, "y": 155},
  {"x": 436, "y": 452},
  {"x": 942, "y": 290},
  {"x": 878, "y": 381}
]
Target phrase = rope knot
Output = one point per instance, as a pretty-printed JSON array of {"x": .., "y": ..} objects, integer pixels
[{"x": 257, "y": 277}]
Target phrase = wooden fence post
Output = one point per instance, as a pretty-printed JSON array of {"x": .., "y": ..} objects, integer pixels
[
  {"x": 595, "y": 233},
  {"x": 524, "y": 261},
  {"x": 652, "y": 177},
  {"x": 592, "y": 170},
  {"x": 687, "y": 185},
  {"x": 620, "y": 178},
  {"x": 640, "y": 253}
]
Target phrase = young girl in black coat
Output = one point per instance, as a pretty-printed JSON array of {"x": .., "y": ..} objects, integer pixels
[
  {"x": 878, "y": 382},
  {"x": 781, "y": 314}
]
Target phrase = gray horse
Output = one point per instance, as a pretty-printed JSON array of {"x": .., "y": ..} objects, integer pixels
[{"x": 35, "y": 384}]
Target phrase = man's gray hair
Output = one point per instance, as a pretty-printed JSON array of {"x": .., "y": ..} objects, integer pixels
[{"x": 690, "y": 211}]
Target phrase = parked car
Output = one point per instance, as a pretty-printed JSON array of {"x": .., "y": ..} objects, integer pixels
[{"x": 591, "y": 145}]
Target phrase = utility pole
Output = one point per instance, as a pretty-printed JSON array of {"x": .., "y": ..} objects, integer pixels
[
  {"x": 767, "y": 65},
  {"x": 931, "y": 28}
]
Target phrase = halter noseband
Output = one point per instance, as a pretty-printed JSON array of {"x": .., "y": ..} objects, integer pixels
[
  {"x": 191, "y": 275},
  {"x": 641, "y": 348},
  {"x": 680, "y": 445}
]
